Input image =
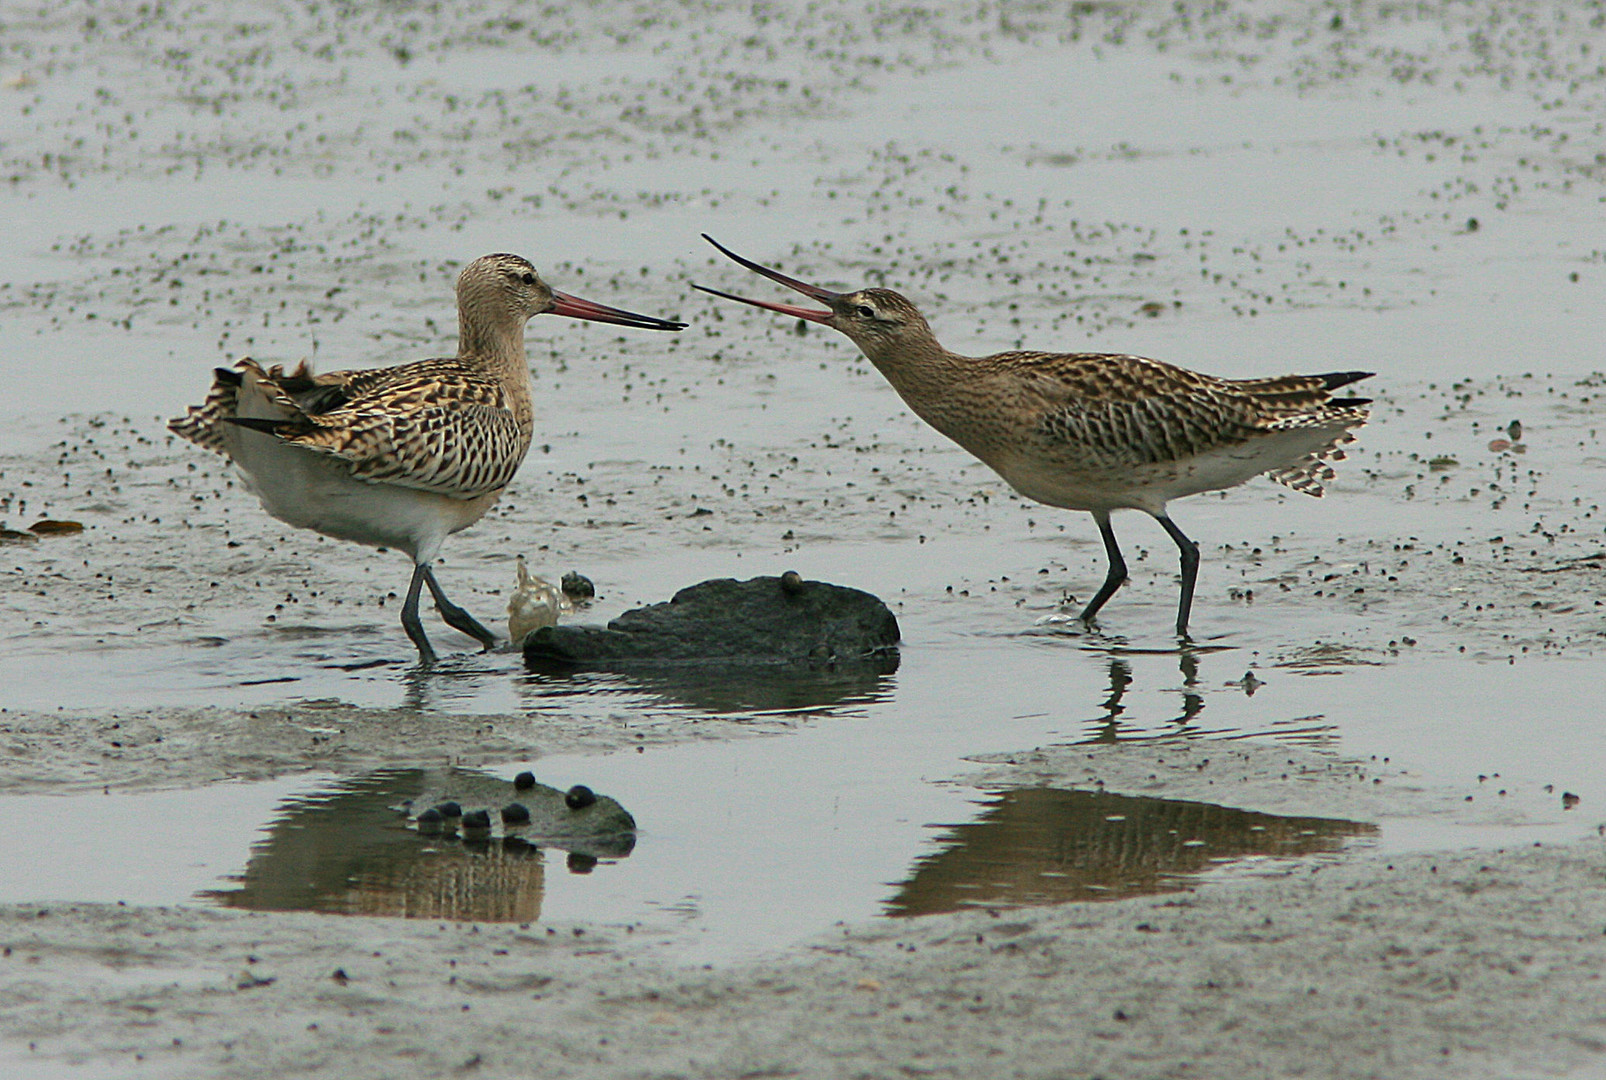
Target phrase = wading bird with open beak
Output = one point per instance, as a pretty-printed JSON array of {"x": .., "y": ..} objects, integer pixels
[
  {"x": 403, "y": 456},
  {"x": 1095, "y": 431}
]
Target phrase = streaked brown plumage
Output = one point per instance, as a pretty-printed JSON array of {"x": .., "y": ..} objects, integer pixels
[
  {"x": 1096, "y": 431},
  {"x": 400, "y": 456}
]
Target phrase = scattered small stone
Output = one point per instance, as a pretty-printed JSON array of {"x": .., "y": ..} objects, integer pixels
[
  {"x": 579, "y": 797},
  {"x": 449, "y": 810},
  {"x": 524, "y": 781},
  {"x": 477, "y": 821},
  {"x": 577, "y": 586},
  {"x": 515, "y": 814}
]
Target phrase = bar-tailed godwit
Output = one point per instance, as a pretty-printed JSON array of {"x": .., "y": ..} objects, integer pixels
[
  {"x": 400, "y": 456},
  {"x": 1095, "y": 431}
]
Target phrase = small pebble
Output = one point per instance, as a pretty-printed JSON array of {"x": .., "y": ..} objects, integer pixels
[
  {"x": 477, "y": 821},
  {"x": 430, "y": 821},
  {"x": 579, "y": 797},
  {"x": 515, "y": 814},
  {"x": 449, "y": 809},
  {"x": 524, "y": 781},
  {"x": 577, "y": 586},
  {"x": 791, "y": 583}
]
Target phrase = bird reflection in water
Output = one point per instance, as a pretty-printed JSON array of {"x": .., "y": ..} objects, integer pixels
[
  {"x": 351, "y": 850},
  {"x": 1041, "y": 845},
  {"x": 1111, "y": 728}
]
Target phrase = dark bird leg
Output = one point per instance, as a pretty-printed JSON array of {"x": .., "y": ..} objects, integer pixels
[
  {"x": 409, "y": 618},
  {"x": 1117, "y": 574},
  {"x": 1190, "y": 571},
  {"x": 456, "y": 617}
]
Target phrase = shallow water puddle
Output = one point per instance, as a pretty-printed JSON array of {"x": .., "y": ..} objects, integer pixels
[
  {"x": 344, "y": 847},
  {"x": 748, "y": 845}
]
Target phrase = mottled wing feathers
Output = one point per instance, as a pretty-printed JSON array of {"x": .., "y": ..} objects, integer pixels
[
  {"x": 435, "y": 425},
  {"x": 1128, "y": 411},
  {"x": 202, "y": 424},
  {"x": 454, "y": 447}
]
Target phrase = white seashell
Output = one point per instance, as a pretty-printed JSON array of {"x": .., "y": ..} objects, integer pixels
[{"x": 535, "y": 602}]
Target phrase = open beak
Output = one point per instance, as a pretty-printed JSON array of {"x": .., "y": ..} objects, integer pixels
[
  {"x": 814, "y": 292},
  {"x": 576, "y": 308}
]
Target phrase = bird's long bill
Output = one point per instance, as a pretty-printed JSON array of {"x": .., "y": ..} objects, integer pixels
[
  {"x": 576, "y": 308},
  {"x": 785, "y": 309},
  {"x": 814, "y": 292}
]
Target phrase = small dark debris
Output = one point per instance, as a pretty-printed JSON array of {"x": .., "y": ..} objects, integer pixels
[
  {"x": 577, "y": 586},
  {"x": 47, "y": 527},
  {"x": 515, "y": 814}
]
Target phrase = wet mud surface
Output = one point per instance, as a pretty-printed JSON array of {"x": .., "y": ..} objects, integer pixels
[{"x": 1245, "y": 189}]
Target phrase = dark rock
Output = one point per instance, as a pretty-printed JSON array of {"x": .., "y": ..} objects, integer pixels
[
  {"x": 577, "y": 586},
  {"x": 477, "y": 821},
  {"x": 524, "y": 781},
  {"x": 764, "y": 620},
  {"x": 579, "y": 797},
  {"x": 449, "y": 810}
]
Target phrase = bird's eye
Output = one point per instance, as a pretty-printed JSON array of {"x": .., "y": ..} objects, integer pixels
[
  {"x": 864, "y": 311},
  {"x": 528, "y": 279}
]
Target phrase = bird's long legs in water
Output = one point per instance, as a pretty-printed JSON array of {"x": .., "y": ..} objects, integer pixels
[
  {"x": 1117, "y": 575},
  {"x": 1188, "y": 550},
  {"x": 458, "y": 619},
  {"x": 1190, "y": 570},
  {"x": 454, "y": 616},
  {"x": 409, "y": 617}
]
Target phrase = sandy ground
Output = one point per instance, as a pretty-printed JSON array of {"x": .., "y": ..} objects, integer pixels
[{"x": 1240, "y": 187}]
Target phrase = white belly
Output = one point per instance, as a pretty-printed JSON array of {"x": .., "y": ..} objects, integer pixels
[
  {"x": 315, "y": 491},
  {"x": 1149, "y": 487}
]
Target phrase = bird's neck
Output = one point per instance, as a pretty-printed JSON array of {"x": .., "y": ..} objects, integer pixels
[
  {"x": 947, "y": 390},
  {"x": 921, "y": 370},
  {"x": 496, "y": 346}
]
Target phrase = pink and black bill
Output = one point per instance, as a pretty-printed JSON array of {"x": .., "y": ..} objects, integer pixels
[
  {"x": 576, "y": 308},
  {"x": 813, "y": 292}
]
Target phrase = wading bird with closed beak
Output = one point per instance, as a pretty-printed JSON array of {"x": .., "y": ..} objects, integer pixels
[
  {"x": 1095, "y": 431},
  {"x": 399, "y": 457}
]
